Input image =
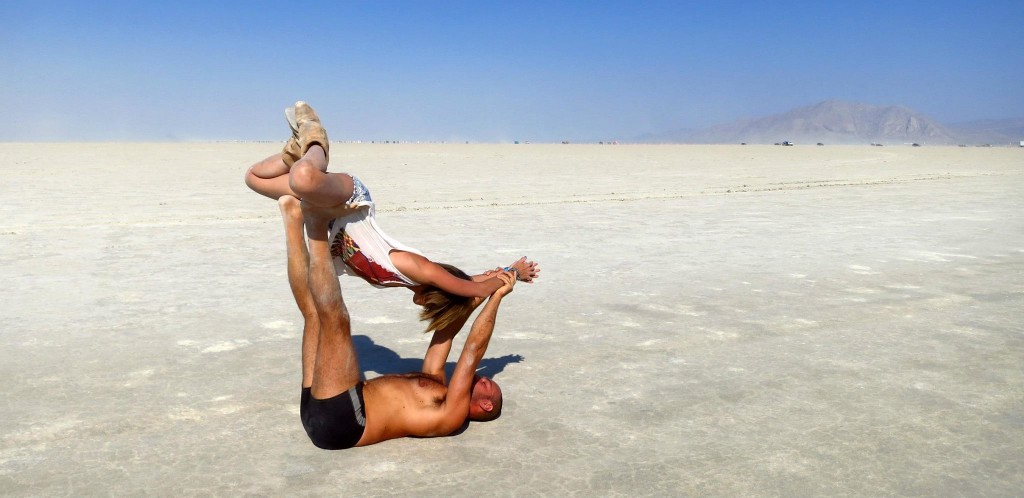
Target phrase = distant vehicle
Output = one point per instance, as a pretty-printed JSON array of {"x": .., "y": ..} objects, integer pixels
[
  {"x": 819, "y": 143},
  {"x": 787, "y": 143},
  {"x": 876, "y": 144},
  {"x": 915, "y": 144}
]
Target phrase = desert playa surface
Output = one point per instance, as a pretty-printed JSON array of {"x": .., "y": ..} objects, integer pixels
[{"x": 711, "y": 320}]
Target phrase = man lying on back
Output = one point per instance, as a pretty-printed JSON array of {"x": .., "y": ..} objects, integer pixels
[{"x": 340, "y": 410}]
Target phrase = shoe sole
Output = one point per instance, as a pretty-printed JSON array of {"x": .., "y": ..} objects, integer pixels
[{"x": 289, "y": 115}]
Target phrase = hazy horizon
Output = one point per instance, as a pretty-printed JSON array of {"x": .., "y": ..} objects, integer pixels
[{"x": 119, "y": 71}]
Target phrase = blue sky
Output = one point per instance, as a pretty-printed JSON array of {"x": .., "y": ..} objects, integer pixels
[{"x": 490, "y": 71}]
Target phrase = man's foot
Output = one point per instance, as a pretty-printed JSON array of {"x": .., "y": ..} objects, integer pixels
[
  {"x": 291, "y": 208},
  {"x": 316, "y": 219},
  {"x": 309, "y": 130},
  {"x": 340, "y": 210}
]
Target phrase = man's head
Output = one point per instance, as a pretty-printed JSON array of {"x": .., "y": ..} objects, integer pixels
[
  {"x": 441, "y": 308},
  {"x": 484, "y": 399}
]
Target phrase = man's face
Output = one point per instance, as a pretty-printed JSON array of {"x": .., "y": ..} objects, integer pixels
[
  {"x": 485, "y": 399},
  {"x": 485, "y": 387}
]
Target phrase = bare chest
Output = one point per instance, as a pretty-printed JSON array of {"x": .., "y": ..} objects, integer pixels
[{"x": 410, "y": 391}]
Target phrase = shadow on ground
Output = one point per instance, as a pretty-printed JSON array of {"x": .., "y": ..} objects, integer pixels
[{"x": 377, "y": 358}]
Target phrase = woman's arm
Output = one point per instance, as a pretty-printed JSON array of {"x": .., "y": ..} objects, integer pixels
[
  {"x": 423, "y": 271},
  {"x": 486, "y": 275}
]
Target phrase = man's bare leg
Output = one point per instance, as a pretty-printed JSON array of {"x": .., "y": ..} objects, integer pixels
[
  {"x": 311, "y": 182},
  {"x": 298, "y": 279},
  {"x": 336, "y": 368}
]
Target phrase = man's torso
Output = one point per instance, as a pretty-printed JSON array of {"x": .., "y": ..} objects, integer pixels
[{"x": 403, "y": 405}]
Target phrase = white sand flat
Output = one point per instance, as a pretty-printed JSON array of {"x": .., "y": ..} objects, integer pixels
[{"x": 710, "y": 320}]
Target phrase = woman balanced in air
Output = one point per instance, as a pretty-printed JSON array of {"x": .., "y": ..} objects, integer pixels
[{"x": 300, "y": 170}]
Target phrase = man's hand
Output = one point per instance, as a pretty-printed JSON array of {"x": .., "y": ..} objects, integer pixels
[
  {"x": 528, "y": 270},
  {"x": 508, "y": 279}
]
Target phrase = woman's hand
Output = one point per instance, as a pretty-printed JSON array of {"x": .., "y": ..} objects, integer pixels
[{"x": 527, "y": 270}]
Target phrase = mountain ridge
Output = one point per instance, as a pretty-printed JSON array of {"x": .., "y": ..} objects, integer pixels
[{"x": 842, "y": 122}]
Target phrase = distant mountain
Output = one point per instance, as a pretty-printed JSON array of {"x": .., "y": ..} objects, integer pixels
[
  {"x": 838, "y": 122},
  {"x": 991, "y": 131}
]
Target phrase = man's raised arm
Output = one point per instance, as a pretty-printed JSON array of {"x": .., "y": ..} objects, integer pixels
[
  {"x": 441, "y": 345},
  {"x": 457, "y": 400}
]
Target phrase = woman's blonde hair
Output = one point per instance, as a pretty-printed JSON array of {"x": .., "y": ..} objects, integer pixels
[{"x": 440, "y": 308}]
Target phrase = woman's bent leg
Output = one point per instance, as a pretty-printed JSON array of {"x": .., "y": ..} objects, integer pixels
[
  {"x": 269, "y": 177},
  {"x": 311, "y": 183}
]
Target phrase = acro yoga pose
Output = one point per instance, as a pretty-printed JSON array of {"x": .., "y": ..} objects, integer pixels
[{"x": 338, "y": 409}]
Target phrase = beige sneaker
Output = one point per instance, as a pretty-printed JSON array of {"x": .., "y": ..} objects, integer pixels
[{"x": 309, "y": 130}]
